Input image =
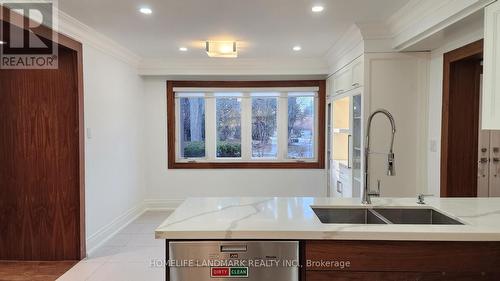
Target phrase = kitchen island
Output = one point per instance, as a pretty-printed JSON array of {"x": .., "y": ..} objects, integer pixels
[{"x": 392, "y": 246}]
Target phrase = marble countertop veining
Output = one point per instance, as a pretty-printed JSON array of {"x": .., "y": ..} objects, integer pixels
[{"x": 292, "y": 218}]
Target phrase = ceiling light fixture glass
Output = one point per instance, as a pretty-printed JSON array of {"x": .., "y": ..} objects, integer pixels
[
  {"x": 146, "y": 11},
  {"x": 317, "y": 9},
  {"x": 2, "y": 42},
  {"x": 297, "y": 48},
  {"x": 183, "y": 49},
  {"x": 221, "y": 49}
]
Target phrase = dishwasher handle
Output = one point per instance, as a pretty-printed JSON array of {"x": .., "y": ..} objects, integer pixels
[{"x": 233, "y": 248}]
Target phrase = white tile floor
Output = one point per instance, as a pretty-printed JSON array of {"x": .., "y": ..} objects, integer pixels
[{"x": 127, "y": 256}]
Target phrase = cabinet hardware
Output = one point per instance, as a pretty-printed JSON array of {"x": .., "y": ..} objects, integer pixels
[
  {"x": 349, "y": 166},
  {"x": 483, "y": 160},
  {"x": 483, "y": 150},
  {"x": 339, "y": 91},
  {"x": 355, "y": 84},
  {"x": 496, "y": 149},
  {"x": 339, "y": 187},
  {"x": 496, "y": 159}
]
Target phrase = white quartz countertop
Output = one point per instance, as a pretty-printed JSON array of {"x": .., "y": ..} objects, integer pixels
[{"x": 292, "y": 218}]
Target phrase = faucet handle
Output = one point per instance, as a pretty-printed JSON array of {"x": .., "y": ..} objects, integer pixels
[
  {"x": 421, "y": 198},
  {"x": 375, "y": 193}
]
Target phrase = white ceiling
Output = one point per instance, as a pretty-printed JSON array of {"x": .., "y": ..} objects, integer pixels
[{"x": 264, "y": 28}]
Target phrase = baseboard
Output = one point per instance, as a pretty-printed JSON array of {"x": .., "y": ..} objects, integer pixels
[
  {"x": 162, "y": 204},
  {"x": 97, "y": 239},
  {"x": 106, "y": 232}
]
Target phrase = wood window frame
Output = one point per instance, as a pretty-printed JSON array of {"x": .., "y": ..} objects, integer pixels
[{"x": 171, "y": 125}]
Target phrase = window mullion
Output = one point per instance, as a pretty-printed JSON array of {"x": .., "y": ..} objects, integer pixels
[
  {"x": 246, "y": 127},
  {"x": 210, "y": 127},
  {"x": 282, "y": 127}
]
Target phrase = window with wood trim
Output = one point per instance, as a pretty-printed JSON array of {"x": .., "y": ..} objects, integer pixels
[{"x": 246, "y": 124}]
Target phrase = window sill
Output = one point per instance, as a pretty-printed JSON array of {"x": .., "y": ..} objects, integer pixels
[{"x": 246, "y": 165}]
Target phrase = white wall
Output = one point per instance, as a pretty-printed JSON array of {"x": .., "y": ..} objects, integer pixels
[
  {"x": 458, "y": 38},
  {"x": 397, "y": 82},
  {"x": 170, "y": 186},
  {"x": 114, "y": 163}
]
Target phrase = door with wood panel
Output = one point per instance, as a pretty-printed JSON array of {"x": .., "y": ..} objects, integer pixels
[
  {"x": 40, "y": 214},
  {"x": 460, "y": 121}
]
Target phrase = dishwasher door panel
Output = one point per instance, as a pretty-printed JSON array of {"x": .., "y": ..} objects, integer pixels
[{"x": 234, "y": 260}]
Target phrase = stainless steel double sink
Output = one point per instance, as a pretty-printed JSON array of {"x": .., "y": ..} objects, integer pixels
[{"x": 381, "y": 215}]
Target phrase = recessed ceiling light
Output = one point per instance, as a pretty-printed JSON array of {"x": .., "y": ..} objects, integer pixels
[
  {"x": 2, "y": 42},
  {"x": 146, "y": 11},
  {"x": 183, "y": 49},
  {"x": 317, "y": 9},
  {"x": 297, "y": 48}
]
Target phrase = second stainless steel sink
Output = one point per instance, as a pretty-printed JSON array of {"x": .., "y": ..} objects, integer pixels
[
  {"x": 383, "y": 216},
  {"x": 416, "y": 216}
]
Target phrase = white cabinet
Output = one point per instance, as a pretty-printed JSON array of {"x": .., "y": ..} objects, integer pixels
[
  {"x": 357, "y": 74},
  {"x": 491, "y": 68},
  {"x": 348, "y": 78},
  {"x": 398, "y": 83},
  {"x": 346, "y": 144},
  {"x": 342, "y": 81}
]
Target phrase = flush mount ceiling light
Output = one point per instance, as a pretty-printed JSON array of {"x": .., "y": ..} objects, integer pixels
[
  {"x": 183, "y": 49},
  {"x": 146, "y": 11},
  {"x": 2, "y": 42},
  {"x": 317, "y": 9},
  {"x": 297, "y": 48},
  {"x": 221, "y": 49}
]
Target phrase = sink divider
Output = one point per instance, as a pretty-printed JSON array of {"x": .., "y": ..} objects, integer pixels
[{"x": 379, "y": 216}]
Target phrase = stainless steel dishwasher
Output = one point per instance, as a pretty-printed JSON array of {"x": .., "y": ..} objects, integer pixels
[{"x": 251, "y": 260}]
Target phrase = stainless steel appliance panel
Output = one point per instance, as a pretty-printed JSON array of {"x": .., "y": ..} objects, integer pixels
[{"x": 234, "y": 260}]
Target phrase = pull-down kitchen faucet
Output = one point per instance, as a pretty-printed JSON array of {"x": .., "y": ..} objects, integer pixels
[{"x": 390, "y": 156}]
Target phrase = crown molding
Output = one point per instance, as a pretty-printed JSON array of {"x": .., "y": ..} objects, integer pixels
[
  {"x": 414, "y": 22},
  {"x": 347, "y": 48},
  {"x": 232, "y": 67},
  {"x": 420, "y": 19},
  {"x": 83, "y": 33}
]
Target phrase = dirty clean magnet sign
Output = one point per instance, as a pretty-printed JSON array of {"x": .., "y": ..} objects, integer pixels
[{"x": 229, "y": 272}]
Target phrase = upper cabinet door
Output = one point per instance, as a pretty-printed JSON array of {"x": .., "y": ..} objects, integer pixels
[
  {"x": 491, "y": 69},
  {"x": 342, "y": 81},
  {"x": 357, "y": 74}
]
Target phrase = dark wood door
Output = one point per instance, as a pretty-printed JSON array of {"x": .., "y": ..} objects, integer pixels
[
  {"x": 40, "y": 162},
  {"x": 460, "y": 127},
  {"x": 463, "y": 130}
]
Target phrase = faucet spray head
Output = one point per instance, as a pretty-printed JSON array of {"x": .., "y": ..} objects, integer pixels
[{"x": 390, "y": 165}]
